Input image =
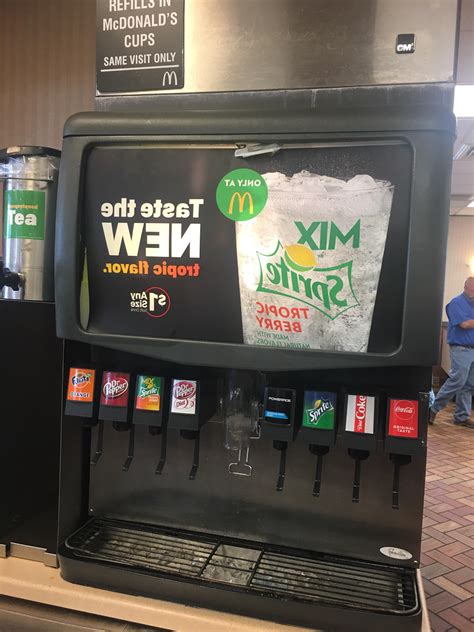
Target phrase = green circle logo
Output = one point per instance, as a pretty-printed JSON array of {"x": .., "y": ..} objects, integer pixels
[{"x": 241, "y": 194}]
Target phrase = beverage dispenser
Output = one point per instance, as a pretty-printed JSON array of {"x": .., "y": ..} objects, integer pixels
[
  {"x": 250, "y": 264},
  {"x": 30, "y": 178}
]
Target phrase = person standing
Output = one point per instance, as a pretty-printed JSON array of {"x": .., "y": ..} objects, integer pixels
[{"x": 460, "y": 383}]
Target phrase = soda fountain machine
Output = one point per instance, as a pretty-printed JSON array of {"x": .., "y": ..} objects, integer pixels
[{"x": 240, "y": 273}]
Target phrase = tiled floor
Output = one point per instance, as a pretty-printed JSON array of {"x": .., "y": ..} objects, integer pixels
[{"x": 448, "y": 527}]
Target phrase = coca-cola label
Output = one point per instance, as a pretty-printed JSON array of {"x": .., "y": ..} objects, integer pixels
[
  {"x": 183, "y": 397},
  {"x": 360, "y": 414},
  {"x": 403, "y": 418},
  {"x": 115, "y": 389}
]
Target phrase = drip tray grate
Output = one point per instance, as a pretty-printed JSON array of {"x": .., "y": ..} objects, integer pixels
[{"x": 255, "y": 568}]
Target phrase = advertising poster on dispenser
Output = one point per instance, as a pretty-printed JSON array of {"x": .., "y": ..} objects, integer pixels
[{"x": 284, "y": 250}]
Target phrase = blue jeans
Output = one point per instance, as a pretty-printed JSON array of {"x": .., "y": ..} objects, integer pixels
[{"x": 460, "y": 384}]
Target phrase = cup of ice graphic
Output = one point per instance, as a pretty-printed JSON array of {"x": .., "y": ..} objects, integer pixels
[{"x": 331, "y": 235}]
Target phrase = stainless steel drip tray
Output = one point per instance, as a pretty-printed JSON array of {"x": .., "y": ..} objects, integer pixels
[{"x": 251, "y": 568}]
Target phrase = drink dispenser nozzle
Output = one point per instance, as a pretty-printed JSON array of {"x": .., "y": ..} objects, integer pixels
[
  {"x": 280, "y": 423},
  {"x": 402, "y": 439},
  {"x": 241, "y": 417},
  {"x": 150, "y": 401},
  {"x": 360, "y": 433},
  {"x": 192, "y": 404},
  {"x": 114, "y": 399},
  {"x": 318, "y": 428},
  {"x": 11, "y": 279}
]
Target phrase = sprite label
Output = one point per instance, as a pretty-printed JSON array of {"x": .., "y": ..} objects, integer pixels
[
  {"x": 148, "y": 393},
  {"x": 319, "y": 410}
]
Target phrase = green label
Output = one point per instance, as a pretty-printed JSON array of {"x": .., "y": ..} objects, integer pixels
[
  {"x": 24, "y": 214},
  {"x": 319, "y": 410},
  {"x": 148, "y": 393},
  {"x": 241, "y": 194}
]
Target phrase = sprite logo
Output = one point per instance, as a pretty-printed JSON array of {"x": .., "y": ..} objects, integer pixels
[
  {"x": 293, "y": 270},
  {"x": 319, "y": 410}
]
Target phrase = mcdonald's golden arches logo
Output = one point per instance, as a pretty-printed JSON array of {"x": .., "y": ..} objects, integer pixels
[
  {"x": 241, "y": 197},
  {"x": 241, "y": 194}
]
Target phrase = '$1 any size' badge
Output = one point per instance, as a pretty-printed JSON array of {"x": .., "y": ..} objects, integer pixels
[{"x": 148, "y": 395}]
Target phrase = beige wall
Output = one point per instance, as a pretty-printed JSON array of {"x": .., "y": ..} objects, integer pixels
[
  {"x": 47, "y": 68},
  {"x": 460, "y": 252}
]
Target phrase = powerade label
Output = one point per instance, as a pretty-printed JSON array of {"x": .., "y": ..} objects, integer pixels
[
  {"x": 278, "y": 403},
  {"x": 148, "y": 393},
  {"x": 403, "y": 418},
  {"x": 80, "y": 386},
  {"x": 183, "y": 397},
  {"x": 115, "y": 389},
  {"x": 319, "y": 410},
  {"x": 360, "y": 414},
  {"x": 24, "y": 214}
]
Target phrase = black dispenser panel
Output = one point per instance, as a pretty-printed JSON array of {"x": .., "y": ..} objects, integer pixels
[{"x": 279, "y": 414}]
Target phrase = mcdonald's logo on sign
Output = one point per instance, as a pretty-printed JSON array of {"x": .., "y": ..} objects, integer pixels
[
  {"x": 241, "y": 194},
  {"x": 241, "y": 197},
  {"x": 170, "y": 78}
]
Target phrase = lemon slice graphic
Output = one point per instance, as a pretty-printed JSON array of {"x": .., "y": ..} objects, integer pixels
[{"x": 300, "y": 258}]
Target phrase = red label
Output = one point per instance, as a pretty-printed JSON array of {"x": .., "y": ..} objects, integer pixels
[
  {"x": 403, "y": 418},
  {"x": 115, "y": 389}
]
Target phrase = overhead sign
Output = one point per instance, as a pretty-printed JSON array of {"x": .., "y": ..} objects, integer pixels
[
  {"x": 140, "y": 45},
  {"x": 189, "y": 243}
]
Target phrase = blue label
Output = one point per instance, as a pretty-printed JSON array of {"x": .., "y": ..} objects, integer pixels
[{"x": 275, "y": 415}]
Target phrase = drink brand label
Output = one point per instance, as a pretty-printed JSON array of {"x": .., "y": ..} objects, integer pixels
[
  {"x": 278, "y": 405},
  {"x": 80, "y": 386},
  {"x": 184, "y": 397},
  {"x": 115, "y": 389},
  {"x": 360, "y": 414},
  {"x": 148, "y": 395},
  {"x": 403, "y": 418},
  {"x": 24, "y": 214},
  {"x": 319, "y": 410}
]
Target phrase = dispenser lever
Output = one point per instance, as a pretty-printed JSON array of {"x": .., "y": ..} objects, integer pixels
[
  {"x": 240, "y": 468},
  {"x": 100, "y": 443},
  {"x": 131, "y": 449},
  {"x": 282, "y": 447},
  {"x": 194, "y": 469},
  {"x": 359, "y": 456},
  {"x": 319, "y": 451},
  {"x": 318, "y": 475},
  {"x": 398, "y": 460},
  {"x": 161, "y": 462},
  {"x": 356, "y": 484}
]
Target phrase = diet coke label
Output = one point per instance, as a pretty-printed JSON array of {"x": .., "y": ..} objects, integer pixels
[
  {"x": 360, "y": 414},
  {"x": 183, "y": 398},
  {"x": 403, "y": 418},
  {"x": 115, "y": 389}
]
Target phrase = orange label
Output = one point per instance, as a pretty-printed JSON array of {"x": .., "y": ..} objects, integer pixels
[{"x": 80, "y": 386}]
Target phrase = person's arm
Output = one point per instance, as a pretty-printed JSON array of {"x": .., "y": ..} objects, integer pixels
[{"x": 467, "y": 324}]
